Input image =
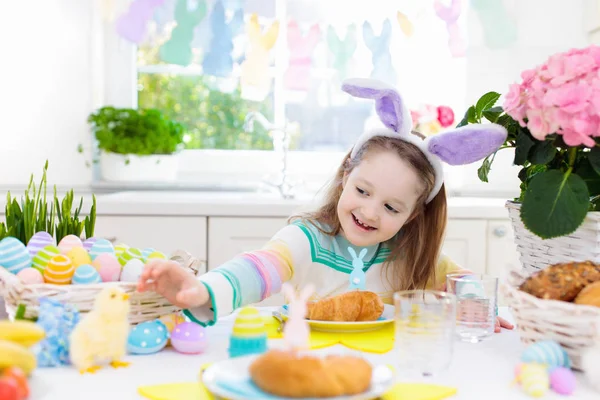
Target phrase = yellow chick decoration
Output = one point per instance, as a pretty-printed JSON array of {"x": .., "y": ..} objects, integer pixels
[{"x": 101, "y": 336}]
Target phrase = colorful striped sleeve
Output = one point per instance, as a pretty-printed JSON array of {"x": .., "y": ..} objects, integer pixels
[{"x": 252, "y": 276}]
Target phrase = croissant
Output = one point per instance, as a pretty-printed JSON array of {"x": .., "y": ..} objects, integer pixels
[
  {"x": 347, "y": 307},
  {"x": 287, "y": 374}
]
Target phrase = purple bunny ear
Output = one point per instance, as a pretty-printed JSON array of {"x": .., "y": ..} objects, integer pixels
[
  {"x": 388, "y": 103},
  {"x": 467, "y": 144}
]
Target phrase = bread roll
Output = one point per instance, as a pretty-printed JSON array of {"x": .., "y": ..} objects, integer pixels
[
  {"x": 561, "y": 281},
  {"x": 589, "y": 295},
  {"x": 348, "y": 307}
]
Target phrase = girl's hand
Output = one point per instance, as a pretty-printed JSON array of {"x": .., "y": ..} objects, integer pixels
[
  {"x": 174, "y": 283},
  {"x": 502, "y": 323}
]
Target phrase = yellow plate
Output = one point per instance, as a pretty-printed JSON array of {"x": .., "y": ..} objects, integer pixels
[{"x": 387, "y": 317}]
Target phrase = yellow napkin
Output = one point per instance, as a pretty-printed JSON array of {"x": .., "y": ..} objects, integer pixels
[
  {"x": 377, "y": 341},
  {"x": 197, "y": 391}
]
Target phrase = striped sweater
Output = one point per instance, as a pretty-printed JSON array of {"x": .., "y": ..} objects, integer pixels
[{"x": 301, "y": 254}]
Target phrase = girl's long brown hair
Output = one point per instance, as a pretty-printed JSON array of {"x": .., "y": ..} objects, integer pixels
[{"x": 416, "y": 248}]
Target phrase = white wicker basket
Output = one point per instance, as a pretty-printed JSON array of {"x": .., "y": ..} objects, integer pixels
[
  {"x": 144, "y": 306},
  {"x": 572, "y": 325}
]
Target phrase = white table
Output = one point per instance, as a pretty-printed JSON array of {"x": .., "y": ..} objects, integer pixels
[{"x": 479, "y": 371}]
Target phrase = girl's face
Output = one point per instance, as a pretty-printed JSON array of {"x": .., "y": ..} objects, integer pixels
[{"x": 379, "y": 196}]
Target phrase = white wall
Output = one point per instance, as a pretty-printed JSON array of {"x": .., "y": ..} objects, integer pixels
[{"x": 46, "y": 82}]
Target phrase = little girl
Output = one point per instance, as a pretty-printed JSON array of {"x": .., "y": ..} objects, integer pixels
[{"x": 387, "y": 203}]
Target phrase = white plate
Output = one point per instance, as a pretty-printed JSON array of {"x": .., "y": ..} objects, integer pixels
[
  {"x": 387, "y": 317},
  {"x": 228, "y": 379}
]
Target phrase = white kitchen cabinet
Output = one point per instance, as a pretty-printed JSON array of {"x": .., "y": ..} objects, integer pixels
[
  {"x": 465, "y": 243},
  {"x": 164, "y": 233},
  {"x": 502, "y": 254},
  {"x": 230, "y": 236}
]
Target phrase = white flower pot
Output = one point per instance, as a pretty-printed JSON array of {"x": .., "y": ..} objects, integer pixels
[{"x": 134, "y": 168}]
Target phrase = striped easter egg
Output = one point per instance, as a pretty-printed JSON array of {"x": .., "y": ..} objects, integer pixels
[
  {"x": 534, "y": 379},
  {"x": 14, "y": 256},
  {"x": 42, "y": 258},
  {"x": 130, "y": 254},
  {"x": 156, "y": 254},
  {"x": 68, "y": 242},
  {"x": 88, "y": 243},
  {"x": 546, "y": 352},
  {"x": 85, "y": 274},
  {"x": 146, "y": 252},
  {"x": 248, "y": 323},
  {"x": 59, "y": 270},
  {"x": 38, "y": 241},
  {"x": 120, "y": 248},
  {"x": 101, "y": 246},
  {"x": 79, "y": 256}
]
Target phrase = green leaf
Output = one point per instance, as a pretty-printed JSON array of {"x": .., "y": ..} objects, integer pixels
[
  {"x": 594, "y": 158},
  {"x": 492, "y": 114},
  {"x": 484, "y": 170},
  {"x": 524, "y": 144},
  {"x": 555, "y": 204},
  {"x": 542, "y": 152},
  {"x": 486, "y": 101},
  {"x": 590, "y": 176},
  {"x": 470, "y": 117}
]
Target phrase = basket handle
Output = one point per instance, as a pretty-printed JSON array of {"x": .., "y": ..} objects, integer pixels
[
  {"x": 8, "y": 279},
  {"x": 186, "y": 260}
]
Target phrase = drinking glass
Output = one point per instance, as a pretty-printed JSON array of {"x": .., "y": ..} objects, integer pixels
[
  {"x": 476, "y": 303},
  {"x": 425, "y": 330}
]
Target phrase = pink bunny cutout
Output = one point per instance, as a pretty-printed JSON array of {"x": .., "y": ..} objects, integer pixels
[
  {"x": 296, "y": 332},
  {"x": 450, "y": 16},
  {"x": 297, "y": 76}
]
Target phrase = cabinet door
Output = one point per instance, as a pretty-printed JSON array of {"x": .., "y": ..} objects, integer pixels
[
  {"x": 228, "y": 237},
  {"x": 465, "y": 243},
  {"x": 166, "y": 234}
]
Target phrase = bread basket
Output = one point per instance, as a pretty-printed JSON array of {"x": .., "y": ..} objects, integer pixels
[
  {"x": 572, "y": 325},
  {"x": 145, "y": 306}
]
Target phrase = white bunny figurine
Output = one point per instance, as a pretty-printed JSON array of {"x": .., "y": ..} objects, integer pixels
[
  {"x": 357, "y": 277},
  {"x": 296, "y": 331}
]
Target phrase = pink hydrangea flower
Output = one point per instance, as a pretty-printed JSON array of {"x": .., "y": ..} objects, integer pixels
[{"x": 560, "y": 96}]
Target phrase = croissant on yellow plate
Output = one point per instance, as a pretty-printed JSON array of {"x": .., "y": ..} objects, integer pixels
[{"x": 347, "y": 307}]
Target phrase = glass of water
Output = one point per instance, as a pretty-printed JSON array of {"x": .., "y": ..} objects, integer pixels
[
  {"x": 425, "y": 330},
  {"x": 476, "y": 305}
]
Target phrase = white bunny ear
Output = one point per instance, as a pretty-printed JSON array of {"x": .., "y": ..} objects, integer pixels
[
  {"x": 352, "y": 252},
  {"x": 289, "y": 292},
  {"x": 306, "y": 292},
  {"x": 362, "y": 254}
]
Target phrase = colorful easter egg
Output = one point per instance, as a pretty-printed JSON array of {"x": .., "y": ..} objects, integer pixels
[
  {"x": 30, "y": 276},
  {"x": 88, "y": 243},
  {"x": 563, "y": 380},
  {"x": 42, "y": 258},
  {"x": 101, "y": 246},
  {"x": 85, "y": 274},
  {"x": 156, "y": 254},
  {"x": 147, "y": 337},
  {"x": 249, "y": 335},
  {"x": 108, "y": 267},
  {"x": 130, "y": 254},
  {"x": 189, "y": 338},
  {"x": 59, "y": 270},
  {"x": 172, "y": 320},
  {"x": 120, "y": 248},
  {"x": 79, "y": 256},
  {"x": 546, "y": 352},
  {"x": 146, "y": 252},
  {"x": 534, "y": 379},
  {"x": 14, "y": 256},
  {"x": 132, "y": 270},
  {"x": 38, "y": 241},
  {"x": 67, "y": 243}
]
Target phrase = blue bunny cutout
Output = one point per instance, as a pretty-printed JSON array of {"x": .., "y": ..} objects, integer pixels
[{"x": 357, "y": 276}]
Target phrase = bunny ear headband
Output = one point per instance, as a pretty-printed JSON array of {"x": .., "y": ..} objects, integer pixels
[{"x": 457, "y": 146}]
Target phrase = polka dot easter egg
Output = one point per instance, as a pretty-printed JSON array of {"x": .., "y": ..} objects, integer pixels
[
  {"x": 14, "y": 256},
  {"x": 30, "y": 276},
  {"x": 85, "y": 274},
  {"x": 42, "y": 258},
  {"x": 79, "y": 256},
  {"x": 546, "y": 352},
  {"x": 67, "y": 243},
  {"x": 147, "y": 337},
  {"x": 38, "y": 241},
  {"x": 108, "y": 267},
  {"x": 88, "y": 243},
  {"x": 172, "y": 320},
  {"x": 101, "y": 246},
  {"x": 132, "y": 270},
  {"x": 189, "y": 338},
  {"x": 59, "y": 270},
  {"x": 130, "y": 254}
]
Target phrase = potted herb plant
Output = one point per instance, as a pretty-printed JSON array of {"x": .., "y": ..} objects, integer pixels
[{"x": 136, "y": 144}]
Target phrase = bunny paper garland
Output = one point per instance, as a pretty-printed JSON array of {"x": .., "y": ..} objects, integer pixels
[
  {"x": 380, "y": 51},
  {"x": 132, "y": 25},
  {"x": 357, "y": 276},
  {"x": 342, "y": 50},
  {"x": 218, "y": 60},
  {"x": 499, "y": 28},
  {"x": 450, "y": 15},
  {"x": 297, "y": 76},
  {"x": 296, "y": 331},
  {"x": 178, "y": 49},
  {"x": 456, "y": 146}
]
